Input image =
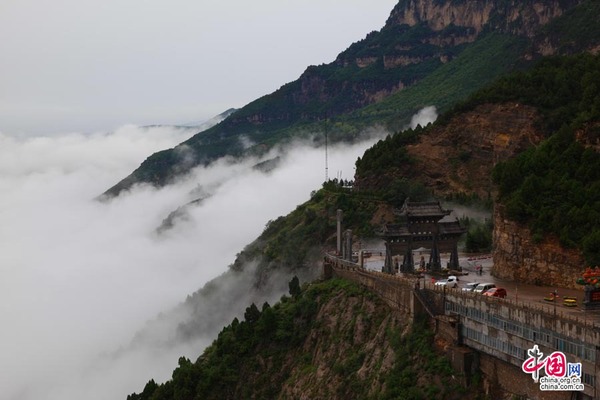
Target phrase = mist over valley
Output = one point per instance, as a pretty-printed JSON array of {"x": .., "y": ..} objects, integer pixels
[{"x": 83, "y": 277}]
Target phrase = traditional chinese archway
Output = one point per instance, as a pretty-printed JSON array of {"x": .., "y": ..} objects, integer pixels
[{"x": 421, "y": 225}]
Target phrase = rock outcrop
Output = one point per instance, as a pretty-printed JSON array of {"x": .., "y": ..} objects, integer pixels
[
  {"x": 458, "y": 157},
  {"x": 520, "y": 257},
  {"x": 514, "y": 17}
]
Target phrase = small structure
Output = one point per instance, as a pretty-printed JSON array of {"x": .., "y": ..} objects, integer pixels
[{"x": 421, "y": 225}]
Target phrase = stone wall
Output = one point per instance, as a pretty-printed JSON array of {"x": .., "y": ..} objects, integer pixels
[
  {"x": 489, "y": 335},
  {"x": 395, "y": 291},
  {"x": 501, "y": 380}
]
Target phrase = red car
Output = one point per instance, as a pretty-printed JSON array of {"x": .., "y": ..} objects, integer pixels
[{"x": 496, "y": 292}]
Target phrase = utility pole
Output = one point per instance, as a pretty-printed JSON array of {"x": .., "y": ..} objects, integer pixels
[{"x": 326, "y": 160}]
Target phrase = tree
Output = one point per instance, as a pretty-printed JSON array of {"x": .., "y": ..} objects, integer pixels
[
  {"x": 252, "y": 314},
  {"x": 294, "y": 286}
]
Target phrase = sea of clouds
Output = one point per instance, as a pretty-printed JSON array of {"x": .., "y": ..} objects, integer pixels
[{"x": 80, "y": 276}]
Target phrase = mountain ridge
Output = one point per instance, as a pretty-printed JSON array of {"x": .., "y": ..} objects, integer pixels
[
  {"x": 469, "y": 139},
  {"x": 386, "y": 62}
]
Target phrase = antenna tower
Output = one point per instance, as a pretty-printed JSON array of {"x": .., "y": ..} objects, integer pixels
[{"x": 326, "y": 161}]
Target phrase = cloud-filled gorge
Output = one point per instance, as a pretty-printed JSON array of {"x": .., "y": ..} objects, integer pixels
[{"x": 81, "y": 277}]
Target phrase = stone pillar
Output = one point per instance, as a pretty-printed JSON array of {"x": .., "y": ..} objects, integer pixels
[
  {"x": 408, "y": 264},
  {"x": 340, "y": 216},
  {"x": 454, "y": 263},
  {"x": 435, "y": 262},
  {"x": 388, "y": 264},
  {"x": 327, "y": 269},
  {"x": 348, "y": 247}
]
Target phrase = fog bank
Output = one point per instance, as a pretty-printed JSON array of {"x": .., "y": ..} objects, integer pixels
[{"x": 81, "y": 277}]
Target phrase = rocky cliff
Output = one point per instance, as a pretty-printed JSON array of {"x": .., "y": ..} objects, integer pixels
[
  {"x": 458, "y": 157},
  {"x": 540, "y": 259},
  {"x": 520, "y": 257},
  {"x": 514, "y": 17},
  {"x": 333, "y": 340}
]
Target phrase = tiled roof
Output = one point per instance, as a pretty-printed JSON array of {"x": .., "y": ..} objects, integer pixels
[{"x": 423, "y": 209}]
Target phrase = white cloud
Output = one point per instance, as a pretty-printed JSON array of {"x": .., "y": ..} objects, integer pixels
[
  {"x": 424, "y": 116},
  {"x": 80, "y": 277}
]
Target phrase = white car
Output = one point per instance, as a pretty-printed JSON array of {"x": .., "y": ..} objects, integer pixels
[
  {"x": 469, "y": 287},
  {"x": 483, "y": 287},
  {"x": 451, "y": 282}
]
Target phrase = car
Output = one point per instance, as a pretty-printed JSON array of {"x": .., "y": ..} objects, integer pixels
[
  {"x": 483, "y": 287},
  {"x": 470, "y": 286},
  {"x": 451, "y": 282},
  {"x": 496, "y": 292}
]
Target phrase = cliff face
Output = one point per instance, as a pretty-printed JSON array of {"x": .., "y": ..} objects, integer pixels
[
  {"x": 458, "y": 157},
  {"x": 514, "y": 17},
  {"x": 517, "y": 256},
  {"x": 332, "y": 340},
  {"x": 520, "y": 256},
  {"x": 366, "y": 346}
]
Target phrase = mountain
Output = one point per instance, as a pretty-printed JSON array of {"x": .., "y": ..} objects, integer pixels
[
  {"x": 331, "y": 340},
  {"x": 525, "y": 143},
  {"x": 429, "y": 52},
  {"x": 529, "y": 142},
  {"x": 205, "y": 124}
]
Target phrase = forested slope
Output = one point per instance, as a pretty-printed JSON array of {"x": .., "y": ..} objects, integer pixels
[{"x": 330, "y": 340}]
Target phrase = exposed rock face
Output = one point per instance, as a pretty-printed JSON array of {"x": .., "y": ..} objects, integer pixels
[
  {"x": 439, "y": 15},
  {"x": 448, "y": 24},
  {"x": 518, "y": 257},
  {"x": 459, "y": 156},
  {"x": 363, "y": 337},
  {"x": 515, "y": 17},
  {"x": 589, "y": 136}
]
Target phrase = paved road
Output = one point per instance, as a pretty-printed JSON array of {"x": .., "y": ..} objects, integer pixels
[{"x": 526, "y": 293}]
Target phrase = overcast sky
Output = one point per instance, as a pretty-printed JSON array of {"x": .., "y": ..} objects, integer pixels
[{"x": 94, "y": 65}]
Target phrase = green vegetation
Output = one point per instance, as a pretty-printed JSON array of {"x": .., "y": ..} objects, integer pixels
[
  {"x": 577, "y": 29},
  {"x": 417, "y": 358},
  {"x": 555, "y": 187},
  {"x": 283, "y": 346},
  {"x": 216, "y": 374},
  {"x": 478, "y": 64},
  {"x": 272, "y": 334},
  {"x": 388, "y": 153},
  {"x": 479, "y": 234},
  {"x": 564, "y": 89}
]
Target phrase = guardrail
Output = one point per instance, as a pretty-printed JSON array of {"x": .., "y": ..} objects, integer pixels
[{"x": 549, "y": 311}]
